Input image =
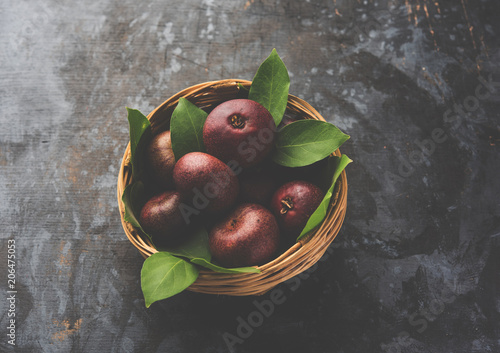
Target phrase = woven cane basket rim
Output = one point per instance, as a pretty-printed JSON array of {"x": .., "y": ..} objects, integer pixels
[{"x": 296, "y": 259}]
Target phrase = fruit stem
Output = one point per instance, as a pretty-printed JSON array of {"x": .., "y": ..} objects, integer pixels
[
  {"x": 287, "y": 205},
  {"x": 237, "y": 122}
]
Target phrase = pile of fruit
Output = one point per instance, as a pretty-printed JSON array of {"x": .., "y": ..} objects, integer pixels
[{"x": 229, "y": 189}]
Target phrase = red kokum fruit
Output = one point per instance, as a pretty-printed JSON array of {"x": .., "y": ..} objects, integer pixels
[
  {"x": 239, "y": 131},
  {"x": 207, "y": 184},
  {"x": 248, "y": 236},
  {"x": 162, "y": 219},
  {"x": 160, "y": 160},
  {"x": 292, "y": 204}
]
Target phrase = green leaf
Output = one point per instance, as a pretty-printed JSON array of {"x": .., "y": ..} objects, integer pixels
[
  {"x": 186, "y": 128},
  {"x": 195, "y": 247},
  {"x": 336, "y": 165},
  {"x": 211, "y": 266},
  {"x": 164, "y": 275},
  {"x": 304, "y": 142},
  {"x": 270, "y": 86},
  {"x": 140, "y": 134},
  {"x": 133, "y": 199}
]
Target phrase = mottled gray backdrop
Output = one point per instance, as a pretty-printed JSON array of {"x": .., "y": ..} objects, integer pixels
[{"x": 415, "y": 83}]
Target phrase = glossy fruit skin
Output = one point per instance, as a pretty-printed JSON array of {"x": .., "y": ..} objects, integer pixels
[
  {"x": 239, "y": 130},
  {"x": 206, "y": 183},
  {"x": 248, "y": 236},
  {"x": 303, "y": 197},
  {"x": 162, "y": 219},
  {"x": 160, "y": 160}
]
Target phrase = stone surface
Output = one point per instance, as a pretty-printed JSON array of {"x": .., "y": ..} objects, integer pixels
[{"x": 416, "y": 266}]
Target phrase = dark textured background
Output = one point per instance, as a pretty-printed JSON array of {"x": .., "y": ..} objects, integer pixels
[{"x": 416, "y": 265}]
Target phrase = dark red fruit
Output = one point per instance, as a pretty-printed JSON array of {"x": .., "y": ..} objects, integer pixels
[
  {"x": 239, "y": 130},
  {"x": 249, "y": 236},
  {"x": 293, "y": 204},
  {"x": 162, "y": 219},
  {"x": 160, "y": 160},
  {"x": 207, "y": 184},
  {"x": 257, "y": 187}
]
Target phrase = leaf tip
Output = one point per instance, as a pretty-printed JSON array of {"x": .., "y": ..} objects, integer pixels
[
  {"x": 346, "y": 157},
  {"x": 130, "y": 110},
  {"x": 182, "y": 101}
]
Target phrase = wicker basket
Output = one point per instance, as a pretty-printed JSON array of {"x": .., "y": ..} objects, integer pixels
[{"x": 295, "y": 260}]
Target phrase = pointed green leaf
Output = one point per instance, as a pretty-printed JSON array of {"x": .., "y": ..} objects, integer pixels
[
  {"x": 211, "y": 266},
  {"x": 164, "y": 275},
  {"x": 304, "y": 142},
  {"x": 337, "y": 165},
  {"x": 270, "y": 86},
  {"x": 140, "y": 134},
  {"x": 186, "y": 128}
]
